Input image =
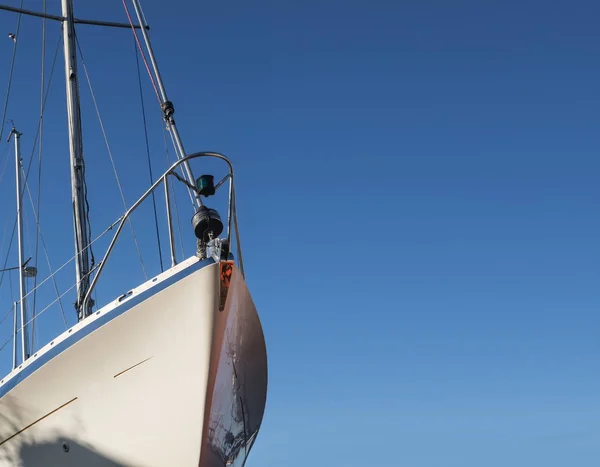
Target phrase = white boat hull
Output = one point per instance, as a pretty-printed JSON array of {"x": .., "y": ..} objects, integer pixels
[{"x": 170, "y": 381}]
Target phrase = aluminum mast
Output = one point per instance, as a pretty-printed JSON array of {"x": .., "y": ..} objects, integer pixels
[
  {"x": 22, "y": 292},
  {"x": 82, "y": 263}
]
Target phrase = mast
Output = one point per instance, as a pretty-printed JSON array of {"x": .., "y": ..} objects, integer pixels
[
  {"x": 80, "y": 215},
  {"x": 22, "y": 292}
]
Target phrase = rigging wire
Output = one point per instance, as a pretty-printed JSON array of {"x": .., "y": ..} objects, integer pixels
[
  {"x": 108, "y": 229},
  {"x": 12, "y": 237},
  {"x": 34, "y": 317},
  {"x": 4, "y": 153},
  {"x": 26, "y": 231},
  {"x": 12, "y": 336},
  {"x": 111, "y": 158},
  {"x": 139, "y": 75},
  {"x": 154, "y": 85},
  {"x": 12, "y": 292},
  {"x": 10, "y": 77},
  {"x": 12, "y": 68},
  {"x": 36, "y": 217},
  {"x": 92, "y": 270},
  {"x": 26, "y": 234},
  {"x": 37, "y": 134},
  {"x": 180, "y": 168},
  {"x": 5, "y": 343},
  {"x": 6, "y": 315},
  {"x": 83, "y": 166},
  {"x": 86, "y": 276},
  {"x": 39, "y": 184},
  {"x": 137, "y": 40},
  {"x": 174, "y": 195},
  {"x": 3, "y": 236},
  {"x": 28, "y": 171},
  {"x": 34, "y": 290}
]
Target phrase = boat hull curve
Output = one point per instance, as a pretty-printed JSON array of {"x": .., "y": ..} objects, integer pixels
[{"x": 177, "y": 379}]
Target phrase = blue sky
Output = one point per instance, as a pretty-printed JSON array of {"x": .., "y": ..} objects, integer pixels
[{"x": 418, "y": 186}]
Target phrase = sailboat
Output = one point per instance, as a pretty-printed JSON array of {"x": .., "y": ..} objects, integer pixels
[{"x": 173, "y": 372}]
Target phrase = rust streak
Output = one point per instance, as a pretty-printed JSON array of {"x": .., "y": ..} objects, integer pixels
[{"x": 37, "y": 421}]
